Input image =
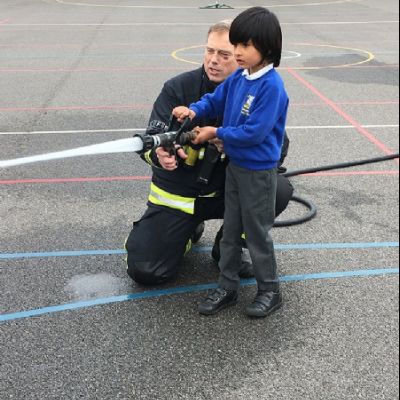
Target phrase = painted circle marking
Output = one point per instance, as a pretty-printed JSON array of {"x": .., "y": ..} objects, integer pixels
[
  {"x": 294, "y": 54},
  {"x": 291, "y": 54}
]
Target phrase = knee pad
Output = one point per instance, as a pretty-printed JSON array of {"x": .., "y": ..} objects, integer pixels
[{"x": 150, "y": 273}]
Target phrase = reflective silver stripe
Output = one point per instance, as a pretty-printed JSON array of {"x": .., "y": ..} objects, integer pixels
[
  {"x": 211, "y": 195},
  {"x": 163, "y": 198},
  {"x": 202, "y": 153}
]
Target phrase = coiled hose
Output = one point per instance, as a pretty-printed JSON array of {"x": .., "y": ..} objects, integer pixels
[{"x": 312, "y": 209}]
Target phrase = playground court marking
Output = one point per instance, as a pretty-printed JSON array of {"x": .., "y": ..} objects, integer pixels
[
  {"x": 154, "y": 294},
  {"x": 189, "y": 24},
  {"x": 166, "y": 7},
  {"x": 128, "y": 130},
  {"x": 367, "y": 54},
  {"x": 204, "y": 249}
]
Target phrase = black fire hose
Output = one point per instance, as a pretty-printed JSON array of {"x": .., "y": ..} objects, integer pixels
[
  {"x": 312, "y": 209},
  {"x": 340, "y": 166}
]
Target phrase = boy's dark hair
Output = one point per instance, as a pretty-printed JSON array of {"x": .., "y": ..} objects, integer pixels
[{"x": 262, "y": 27}]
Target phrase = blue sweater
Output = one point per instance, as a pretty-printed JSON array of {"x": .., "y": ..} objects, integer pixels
[{"x": 254, "y": 117}]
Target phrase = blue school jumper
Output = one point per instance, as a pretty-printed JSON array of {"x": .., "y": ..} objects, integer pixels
[{"x": 254, "y": 108}]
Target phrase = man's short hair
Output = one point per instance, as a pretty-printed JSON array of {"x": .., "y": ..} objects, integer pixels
[{"x": 222, "y": 26}]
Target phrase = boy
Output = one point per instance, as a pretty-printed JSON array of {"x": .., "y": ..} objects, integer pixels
[{"x": 254, "y": 104}]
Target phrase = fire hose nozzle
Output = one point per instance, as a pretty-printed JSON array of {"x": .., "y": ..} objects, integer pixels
[
  {"x": 165, "y": 140},
  {"x": 186, "y": 138}
]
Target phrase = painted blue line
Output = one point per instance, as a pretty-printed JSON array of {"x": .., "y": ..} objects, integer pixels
[
  {"x": 78, "y": 253},
  {"x": 336, "y": 246},
  {"x": 152, "y": 294},
  {"x": 279, "y": 247},
  {"x": 320, "y": 246}
]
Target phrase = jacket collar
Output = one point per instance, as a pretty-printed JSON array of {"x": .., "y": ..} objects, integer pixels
[{"x": 258, "y": 74}]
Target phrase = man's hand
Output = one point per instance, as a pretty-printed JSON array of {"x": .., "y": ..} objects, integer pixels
[
  {"x": 167, "y": 161},
  {"x": 205, "y": 134},
  {"x": 181, "y": 113}
]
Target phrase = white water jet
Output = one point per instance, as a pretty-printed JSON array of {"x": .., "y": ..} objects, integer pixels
[{"x": 129, "y": 145}]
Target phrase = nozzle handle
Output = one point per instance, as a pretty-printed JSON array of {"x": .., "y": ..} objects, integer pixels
[{"x": 186, "y": 138}]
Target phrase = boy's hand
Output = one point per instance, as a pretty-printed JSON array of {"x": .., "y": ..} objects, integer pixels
[
  {"x": 205, "y": 134},
  {"x": 181, "y": 113}
]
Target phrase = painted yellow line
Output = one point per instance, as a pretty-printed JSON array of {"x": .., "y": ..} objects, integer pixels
[
  {"x": 368, "y": 56},
  {"x": 175, "y": 53}
]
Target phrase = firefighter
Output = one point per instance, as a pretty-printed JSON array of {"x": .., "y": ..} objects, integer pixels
[{"x": 187, "y": 185}]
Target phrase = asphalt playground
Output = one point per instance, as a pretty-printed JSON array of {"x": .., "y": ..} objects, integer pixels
[{"x": 74, "y": 326}]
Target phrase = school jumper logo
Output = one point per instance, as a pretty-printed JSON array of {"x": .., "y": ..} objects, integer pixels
[{"x": 247, "y": 105}]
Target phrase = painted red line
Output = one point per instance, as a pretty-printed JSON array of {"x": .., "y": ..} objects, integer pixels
[
  {"x": 5, "y": 21},
  {"x": 355, "y": 173},
  {"x": 369, "y": 103},
  {"x": 116, "y": 69},
  {"x": 148, "y": 178},
  {"x": 350, "y": 103},
  {"x": 74, "y": 180},
  {"x": 347, "y": 117},
  {"x": 77, "y": 108},
  {"x": 97, "y": 45},
  {"x": 133, "y": 69}
]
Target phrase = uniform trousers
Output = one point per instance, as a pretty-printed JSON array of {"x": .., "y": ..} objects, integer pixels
[{"x": 250, "y": 198}]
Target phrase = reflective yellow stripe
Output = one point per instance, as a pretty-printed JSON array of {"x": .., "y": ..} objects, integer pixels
[
  {"x": 148, "y": 158},
  {"x": 126, "y": 248},
  {"x": 202, "y": 153},
  {"x": 162, "y": 198},
  {"x": 211, "y": 195},
  {"x": 188, "y": 247}
]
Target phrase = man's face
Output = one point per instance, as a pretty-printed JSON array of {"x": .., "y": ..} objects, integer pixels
[{"x": 219, "y": 59}]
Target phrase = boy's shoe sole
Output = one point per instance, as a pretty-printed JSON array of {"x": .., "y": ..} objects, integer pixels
[{"x": 233, "y": 303}]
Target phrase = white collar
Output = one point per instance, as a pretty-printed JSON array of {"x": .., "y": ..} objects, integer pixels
[{"x": 258, "y": 74}]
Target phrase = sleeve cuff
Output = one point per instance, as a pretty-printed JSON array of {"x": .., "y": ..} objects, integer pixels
[
  {"x": 220, "y": 133},
  {"x": 196, "y": 110},
  {"x": 151, "y": 158}
]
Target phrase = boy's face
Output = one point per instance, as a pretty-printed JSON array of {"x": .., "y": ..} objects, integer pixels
[
  {"x": 219, "y": 60},
  {"x": 248, "y": 57}
]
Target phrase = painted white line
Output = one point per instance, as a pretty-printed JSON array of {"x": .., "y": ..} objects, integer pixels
[
  {"x": 166, "y": 7},
  {"x": 291, "y": 54},
  {"x": 72, "y": 132},
  {"x": 199, "y": 23},
  {"x": 339, "y": 22},
  {"x": 301, "y": 127},
  {"x": 293, "y": 127}
]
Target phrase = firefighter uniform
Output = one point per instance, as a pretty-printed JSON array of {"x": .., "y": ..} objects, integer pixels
[{"x": 179, "y": 201}]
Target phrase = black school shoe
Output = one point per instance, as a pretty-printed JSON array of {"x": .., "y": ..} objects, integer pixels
[
  {"x": 217, "y": 300},
  {"x": 265, "y": 303}
]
